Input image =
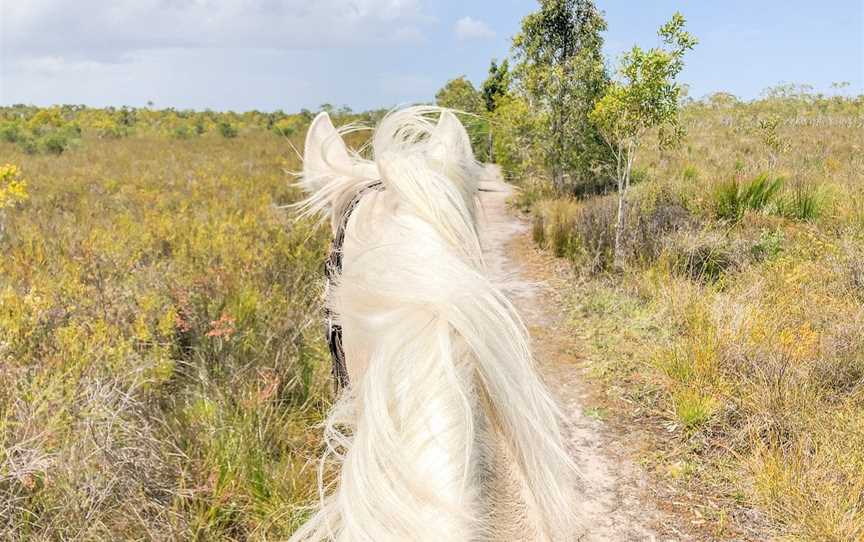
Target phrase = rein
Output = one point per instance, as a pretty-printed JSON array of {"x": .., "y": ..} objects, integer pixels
[{"x": 332, "y": 270}]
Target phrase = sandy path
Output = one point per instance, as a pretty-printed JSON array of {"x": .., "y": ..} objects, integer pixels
[{"x": 616, "y": 504}]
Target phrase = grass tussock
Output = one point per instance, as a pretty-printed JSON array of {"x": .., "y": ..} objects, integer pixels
[
  {"x": 737, "y": 327},
  {"x": 160, "y": 353}
]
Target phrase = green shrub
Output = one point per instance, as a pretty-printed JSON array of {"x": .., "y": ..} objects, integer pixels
[
  {"x": 805, "y": 202},
  {"x": 54, "y": 142},
  {"x": 690, "y": 174},
  {"x": 27, "y": 143},
  {"x": 181, "y": 131},
  {"x": 9, "y": 132},
  {"x": 768, "y": 246},
  {"x": 732, "y": 199},
  {"x": 227, "y": 130}
]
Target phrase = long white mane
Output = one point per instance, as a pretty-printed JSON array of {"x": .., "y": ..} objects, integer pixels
[{"x": 438, "y": 358}]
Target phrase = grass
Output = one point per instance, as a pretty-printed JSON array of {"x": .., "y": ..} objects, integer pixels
[
  {"x": 739, "y": 334},
  {"x": 733, "y": 198},
  {"x": 161, "y": 361}
]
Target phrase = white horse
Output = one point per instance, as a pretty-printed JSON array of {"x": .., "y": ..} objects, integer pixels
[{"x": 441, "y": 386}]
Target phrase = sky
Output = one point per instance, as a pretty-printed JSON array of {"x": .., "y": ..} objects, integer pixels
[{"x": 292, "y": 54}]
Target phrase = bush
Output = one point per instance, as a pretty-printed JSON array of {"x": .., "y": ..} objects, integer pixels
[
  {"x": 9, "y": 132},
  {"x": 181, "y": 131},
  {"x": 227, "y": 130},
  {"x": 732, "y": 199},
  {"x": 768, "y": 246},
  {"x": 704, "y": 255},
  {"x": 13, "y": 188},
  {"x": 805, "y": 203},
  {"x": 585, "y": 231},
  {"x": 285, "y": 127},
  {"x": 28, "y": 144},
  {"x": 54, "y": 142}
]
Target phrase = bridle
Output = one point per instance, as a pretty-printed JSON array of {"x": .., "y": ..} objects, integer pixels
[{"x": 332, "y": 270}]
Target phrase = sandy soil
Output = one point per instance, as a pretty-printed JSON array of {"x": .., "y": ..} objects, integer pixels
[{"x": 616, "y": 504}]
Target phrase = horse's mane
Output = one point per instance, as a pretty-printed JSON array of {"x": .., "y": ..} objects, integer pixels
[{"x": 451, "y": 356}]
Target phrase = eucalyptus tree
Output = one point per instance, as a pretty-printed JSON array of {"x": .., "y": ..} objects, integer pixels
[
  {"x": 560, "y": 69},
  {"x": 495, "y": 88},
  {"x": 497, "y": 84},
  {"x": 645, "y": 97}
]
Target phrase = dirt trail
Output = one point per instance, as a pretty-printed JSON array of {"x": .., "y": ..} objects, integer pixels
[{"x": 616, "y": 502}]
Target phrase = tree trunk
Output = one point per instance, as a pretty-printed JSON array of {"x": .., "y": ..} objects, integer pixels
[
  {"x": 618, "y": 259},
  {"x": 558, "y": 178},
  {"x": 623, "y": 167}
]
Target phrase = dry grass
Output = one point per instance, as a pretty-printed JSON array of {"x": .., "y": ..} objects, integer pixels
[
  {"x": 161, "y": 362},
  {"x": 741, "y": 339}
]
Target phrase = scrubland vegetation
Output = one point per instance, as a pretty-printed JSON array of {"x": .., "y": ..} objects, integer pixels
[
  {"x": 721, "y": 302},
  {"x": 161, "y": 355},
  {"x": 737, "y": 324}
]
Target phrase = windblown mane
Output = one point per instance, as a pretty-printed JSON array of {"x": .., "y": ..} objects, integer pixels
[{"x": 448, "y": 356}]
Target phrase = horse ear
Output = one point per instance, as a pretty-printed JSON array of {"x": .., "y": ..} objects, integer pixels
[
  {"x": 449, "y": 142},
  {"x": 325, "y": 153},
  {"x": 449, "y": 136}
]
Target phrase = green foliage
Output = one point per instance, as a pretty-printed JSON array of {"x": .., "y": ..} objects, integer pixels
[
  {"x": 733, "y": 198},
  {"x": 461, "y": 95},
  {"x": 289, "y": 126},
  {"x": 54, "y": 142},
  {"x": 496, "y": 85},
  {"x": 517, "y": 139},
  {"x": 805, "y": 202},
  {"x": 9, "y": 131},
  {"x": 648, "y": 94},
  {"x": 693, "y": 409},
  {"x": 769, "y": 245},
  {"x": 769, "y": 131},
  {"x": 227, "y": 130},
  {"x": 560, "y": 71},
  {"x": 182, "y": 131},
  {"x": 55, "y": 130}
]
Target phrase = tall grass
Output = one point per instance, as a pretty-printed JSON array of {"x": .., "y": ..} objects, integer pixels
[
  {"x": 161, "y": 362},
  {"x": 734, "y": 198}
]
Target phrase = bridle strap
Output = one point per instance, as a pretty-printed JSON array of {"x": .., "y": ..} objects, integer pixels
[{"x": 332, "y": 270}]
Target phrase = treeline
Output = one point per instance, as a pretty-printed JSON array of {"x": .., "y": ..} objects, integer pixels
[
  {"x": 53, "y": 130},
  {"x": 558, "y": 113}
]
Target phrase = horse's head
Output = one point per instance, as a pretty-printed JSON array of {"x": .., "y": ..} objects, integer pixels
[{"x": 333, "y": 175}]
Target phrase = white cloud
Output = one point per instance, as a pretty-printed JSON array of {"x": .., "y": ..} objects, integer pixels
[
  {"x": 468, "y": 28},
  {"x": 108, "y": 30},
  {"x": 220, "y": 54}
]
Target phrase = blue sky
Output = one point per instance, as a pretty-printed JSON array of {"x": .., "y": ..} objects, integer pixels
[{"x": 288, "y": 54}]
